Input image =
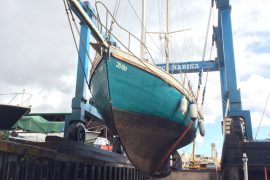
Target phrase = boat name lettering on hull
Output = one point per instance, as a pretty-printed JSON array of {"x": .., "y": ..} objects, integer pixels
[{"x": 121, "y": 66}]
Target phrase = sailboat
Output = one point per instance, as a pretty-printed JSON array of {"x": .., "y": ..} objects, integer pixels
[{"x": 148, "y": 110}]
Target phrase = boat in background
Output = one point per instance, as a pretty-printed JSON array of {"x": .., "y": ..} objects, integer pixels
[
  {"x": 36, "y": 128},
  {"x": 90, "y": 136},
  {"x": 10, "y": 114}
]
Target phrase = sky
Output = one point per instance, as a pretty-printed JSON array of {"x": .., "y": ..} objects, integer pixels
[{"x": 37, "y": 54}]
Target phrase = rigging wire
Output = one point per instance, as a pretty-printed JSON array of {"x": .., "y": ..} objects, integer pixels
[
  {"x": 187, "y": 93},
  {"x": 180, "y": 14},
  {"x": 116, "y": 8},
  {"x": 160, "y": 16},
  {"x": 206, "y": 78},
  {"x": 78, "y": 31},
  {"x": 77, "y": 49},
  {"x": 262, "y": 115},
  {"x": 185, "y": 16},
  {"x": 162, "y": 52},
  {"x": 16, "y": 95},
  {"x": 99, "y": 2},
  {"x": 207, "y": 32},
  {"x": 75, "y": 42},
  {"x": 187, "y": 148},
  {"x": 83, "y": 44},
  {"x": 159, "y": 48},
  {"x": 210, "y": 57},
  {"x": 204, "y": 50},
  {"x": 133, "y": 9}
]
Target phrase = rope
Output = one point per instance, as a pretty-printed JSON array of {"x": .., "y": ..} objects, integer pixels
[
  {"x": 206, "y": 79},
  {"x": 262, "y": 115},
  {"x": 78, "y": 31},
  {"x": 187, "y": 148},
  {"x": 182, "y": 75},
  {"x": 74, "y": 39},
  {"x": 76, "y": 45},
  {"x": 204, "y": 50},
  {"x": 116, "y": 8},
  {"x": 132, "y": 7}
]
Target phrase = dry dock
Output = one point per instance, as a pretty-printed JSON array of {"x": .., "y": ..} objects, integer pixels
[{"x": 62, "y": 160}]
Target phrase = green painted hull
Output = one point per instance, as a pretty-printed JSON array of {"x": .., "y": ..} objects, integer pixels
[{"x": 142, "y": 109}]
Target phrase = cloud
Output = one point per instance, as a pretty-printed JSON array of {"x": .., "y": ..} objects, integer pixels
[
  {"x": 199, "y": 139},
  {"x": 252, "y": 54},
  {"x": 255, "y": 92},
  {"x": 256, "y": 119},
  {"x": 253, "y": 17},
  {"x": 37, "y": 53}
]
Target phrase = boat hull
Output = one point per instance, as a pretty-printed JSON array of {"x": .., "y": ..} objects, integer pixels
[
  {"x": 143, "y": 110},
  {"x": 147, "y": 139},
  {"x": 9, "y": 115}
]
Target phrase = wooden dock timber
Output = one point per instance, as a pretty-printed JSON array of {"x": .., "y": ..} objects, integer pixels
[{"x": 62, "y": 160}]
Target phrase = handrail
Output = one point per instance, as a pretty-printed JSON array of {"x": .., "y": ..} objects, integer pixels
[
  {"x": 15, "y": 95},
  {"x": 127, "y": 47}
]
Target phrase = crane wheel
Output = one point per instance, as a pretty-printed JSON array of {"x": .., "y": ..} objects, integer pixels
[
  {"x": 236, "y": 128},
  {"x": 117, "y": 147},
  {"x": 77, "y": 132}
]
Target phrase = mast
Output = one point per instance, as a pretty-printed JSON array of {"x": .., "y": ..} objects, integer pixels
[
  {"x": 167, "y": 34},
  {"x": 143, "y": 33}
]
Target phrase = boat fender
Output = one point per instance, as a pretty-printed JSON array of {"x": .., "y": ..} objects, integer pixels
[
  {"x": 193, "y": 111},
  {"x": 201, "y": 127},
  {"x": 183, "y": 105}
]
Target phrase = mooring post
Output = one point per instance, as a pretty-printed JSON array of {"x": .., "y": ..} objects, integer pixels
[{"x": 245, "y": 166}]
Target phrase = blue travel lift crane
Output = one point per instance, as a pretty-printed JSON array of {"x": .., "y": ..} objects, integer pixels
[
  {"x": 225, "y": 64},
  {"x": 81, "y": 108},
  {"x": 236, "y": 124}
]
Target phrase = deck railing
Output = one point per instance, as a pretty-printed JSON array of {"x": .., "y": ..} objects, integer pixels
[
  {"x": 111, "y": 27},
  {"x": 20, "y": 98}
]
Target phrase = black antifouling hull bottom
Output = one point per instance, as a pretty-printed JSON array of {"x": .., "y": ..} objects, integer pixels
[
  {"x": 147, "y": 139},
  {"x": 9, "y": 115}
]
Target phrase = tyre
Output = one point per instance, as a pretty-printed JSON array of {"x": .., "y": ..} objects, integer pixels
[
  {"x": 236, "y": 128},
  {"x": 77, "y": 132},
  {"x": 117, "y": 147}
]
